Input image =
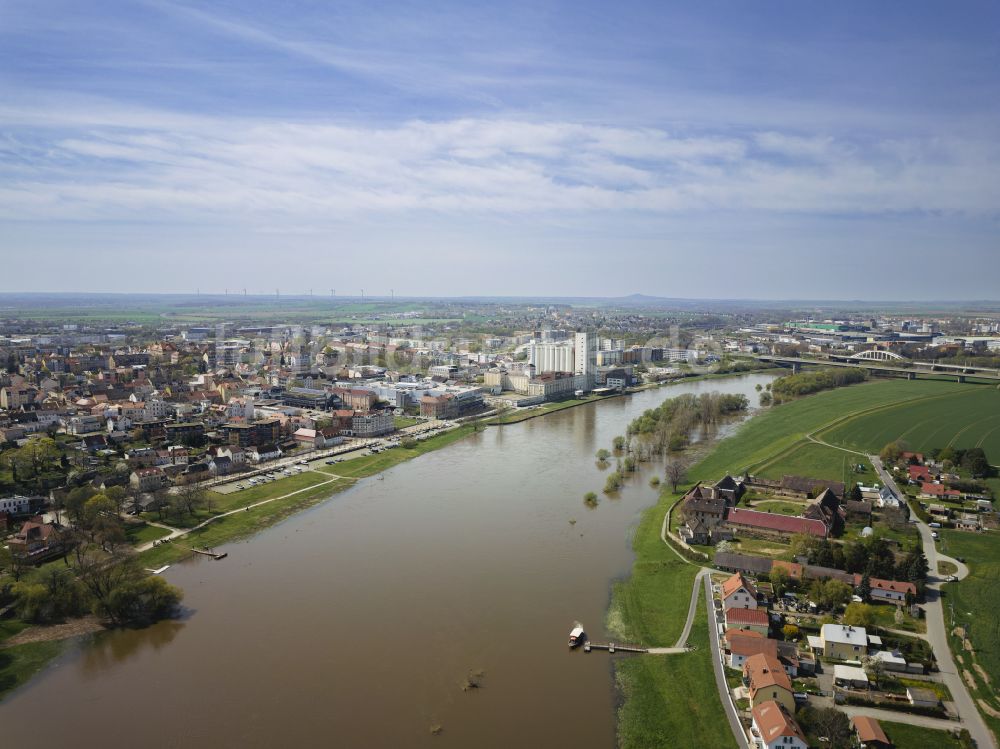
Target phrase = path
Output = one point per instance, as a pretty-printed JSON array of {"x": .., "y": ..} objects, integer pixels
[
  {"x": 894, "y": 716},
  {"x": 178, "y": 533},
  {"x": 937, "y": 633},
  {"x": 681, "y": 645},
  {"x": 720, "y": 675}
]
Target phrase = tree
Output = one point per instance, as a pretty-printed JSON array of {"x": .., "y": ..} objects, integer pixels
[
  {"x": 865, "y": 589},
  {"x": 829, "y": 723},
  {"x": 890, "y": 453},
  {"x": 590, "y": 499},
  {"x": 191, "y": 496},
  {"x": 791, "y": 632},
  {"x": 836, "y": 593},
  {"x": 860, "y": 615},
  {"x": 676, "y": 472},
  {"x": 780, "y": 580},
  {"x": 603, "y": 454},
  {"x": 856, "y": 494}
]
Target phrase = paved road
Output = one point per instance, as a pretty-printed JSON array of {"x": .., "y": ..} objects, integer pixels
[
  {"x": 893, "y": 716},
  {"x": 720, "y": 676},
  {"x": 937, "y": 633}
]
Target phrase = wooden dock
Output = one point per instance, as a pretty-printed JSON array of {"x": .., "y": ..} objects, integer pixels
[
  {"x": 612, "y": 647},
  {"x": 212, "y": 554}
]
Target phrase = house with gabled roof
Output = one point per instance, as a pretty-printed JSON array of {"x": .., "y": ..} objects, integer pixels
[
  {"x": 773, "y": 727},
  {"x": 738, "y": 592},
  {"x": 766, "y": 680}
]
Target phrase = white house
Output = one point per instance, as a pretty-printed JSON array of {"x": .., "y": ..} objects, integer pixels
[
  {"x": 774, "y": 728},
  {"x": 738, "y": 593},
  {"x": 15, "y": 505},
  {"x": 887, "y": 499}
]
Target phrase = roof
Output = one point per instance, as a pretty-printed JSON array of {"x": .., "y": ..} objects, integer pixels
[
  {"x": 868, "y": 729},
  {"x": 765, "y": 671},
  {"x": 747, "y": 617},
  {"x": 893, "y": 585},
  {"x": 775, "y": 522},
  {"x": 745, "y": 562},
  {"x": 734, "y": 583},
  {"x": 794, "y": 569},
  {"x": 747, "y": 643},
  {"x": 844, "y": 634},
  {"x": 921, "y": 695},
  {"x": 849, "y": 673},
  {"x": 938, "y": 490},
  {"x": 773, "y": 722},
  {"x": 806, "y": 484}
]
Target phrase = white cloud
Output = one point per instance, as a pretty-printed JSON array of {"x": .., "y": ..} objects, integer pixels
[{"x": 121, "y": 165}]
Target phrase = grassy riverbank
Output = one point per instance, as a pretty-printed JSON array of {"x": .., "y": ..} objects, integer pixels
[{"x": 20, "y": 662}]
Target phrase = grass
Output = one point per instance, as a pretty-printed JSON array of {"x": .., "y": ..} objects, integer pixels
[
  {"x": 779, "y": 507},
  {"x": 672, "y": 696},
  {"x": 906, "y": 736},
  {"x": 401, "y": 422},
  {"x": 241, "y": 524},
  {"x": 965, "y": 416},
  {"x": 885, "y": 615},
  {"x": 974, "y": 602},
  {"x": 818, "y": 461},
  {"x": 19, "y": 663},
  {"x": 141, "y": 534}
]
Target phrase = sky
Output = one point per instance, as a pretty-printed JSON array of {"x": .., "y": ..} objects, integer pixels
[{"x": 753, "y": 150}]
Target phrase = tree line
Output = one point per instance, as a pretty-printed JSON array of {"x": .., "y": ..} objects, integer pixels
[{"x": 804, "y": 383}]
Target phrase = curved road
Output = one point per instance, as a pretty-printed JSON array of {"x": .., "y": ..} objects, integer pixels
[{"x": 937, "y": 633}]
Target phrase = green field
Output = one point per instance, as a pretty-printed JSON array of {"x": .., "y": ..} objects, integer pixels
[
  {"x": 672, "y": 696},
  {"x": 975, "y": 600},
  {"x": 142, "y": 533},
  {"x": 963, "y": 417},
  {"x": 818, "y": 461},
  {"x": 905, "y": 736}
]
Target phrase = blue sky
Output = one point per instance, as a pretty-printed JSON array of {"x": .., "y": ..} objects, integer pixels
[{"x": 733, "y": 149}]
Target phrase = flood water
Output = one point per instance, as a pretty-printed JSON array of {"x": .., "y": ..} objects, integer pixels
[{"x": 356, "y": 623}]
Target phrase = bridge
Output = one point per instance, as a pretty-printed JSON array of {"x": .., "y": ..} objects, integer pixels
[
  {"x": 911, "y": 371},
  {"x": 876, "y": 354}
]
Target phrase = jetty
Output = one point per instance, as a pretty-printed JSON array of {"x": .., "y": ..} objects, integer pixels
[
  {"x": 212, "y": 554},
  {"x": 613, "y": 647}
]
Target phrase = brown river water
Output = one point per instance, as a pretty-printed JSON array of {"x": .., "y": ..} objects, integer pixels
[{"x": 357, "y": 622}]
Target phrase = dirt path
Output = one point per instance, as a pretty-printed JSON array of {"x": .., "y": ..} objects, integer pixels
[{"x": 74, "y": 628}]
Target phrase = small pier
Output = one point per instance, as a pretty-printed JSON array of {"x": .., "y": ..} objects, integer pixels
[
  {"x": 212, "y": 554},
  {"x": 612, "y": 647}
]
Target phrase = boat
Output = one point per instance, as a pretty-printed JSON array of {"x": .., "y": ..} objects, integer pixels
[{"x": 576, "y": 636}]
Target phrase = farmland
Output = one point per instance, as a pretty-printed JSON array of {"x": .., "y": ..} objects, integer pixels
[{"x": 962, "y": 417}]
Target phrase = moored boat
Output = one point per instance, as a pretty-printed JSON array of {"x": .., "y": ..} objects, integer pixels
[{"x": 576, "y": 636}]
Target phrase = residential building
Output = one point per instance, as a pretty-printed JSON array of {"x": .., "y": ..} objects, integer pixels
[
  {"x": 869, "y": 733},
  {"x": 766, "y": 680},
  {"x": 743, "y": 643},
  {"x": 773, "y": 727},
  {"x": 755, "y": 620},
  {"x": 15, "y": 505},
  {"x": 738, "y": 592},
  {"x": 372, "y": 424},
  {"x": 255, "y": 434},
  {"x": 843, "y": 642},
  {"x": 35, "y": 540},
  {"x": 147, "y": 479}
]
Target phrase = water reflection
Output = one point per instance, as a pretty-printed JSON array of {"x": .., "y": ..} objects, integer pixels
[{"x": 115, "y": 646}]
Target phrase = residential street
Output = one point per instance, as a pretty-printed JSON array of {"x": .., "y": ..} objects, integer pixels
[
  {"x": 936, "y": 629},
  {"x": 720, "y": 675}
]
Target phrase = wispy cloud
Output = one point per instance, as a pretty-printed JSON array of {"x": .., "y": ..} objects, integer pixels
[{"x": 200, "y": 168}]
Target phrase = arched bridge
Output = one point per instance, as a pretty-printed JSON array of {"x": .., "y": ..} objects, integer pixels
[{"x": 876, "y": 354}]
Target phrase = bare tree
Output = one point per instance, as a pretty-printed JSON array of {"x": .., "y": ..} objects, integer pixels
[{"x": 676, "y": 471}]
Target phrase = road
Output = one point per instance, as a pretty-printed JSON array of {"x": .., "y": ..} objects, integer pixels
[
  {"x": 937, "y": 633},
  {"x": 720, "y": 676}
]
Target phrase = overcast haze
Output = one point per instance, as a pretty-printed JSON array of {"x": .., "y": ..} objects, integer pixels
[{"x": 751, "y": 150}]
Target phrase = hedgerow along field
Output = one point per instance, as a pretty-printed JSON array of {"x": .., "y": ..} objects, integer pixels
[{"x": 962, "y": 416}]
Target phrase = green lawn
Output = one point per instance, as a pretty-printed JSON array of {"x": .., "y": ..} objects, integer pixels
[
  {"x": 141, "y": 534},
  {"x": 779, "y": 507},
  {"x": 672, "y": 699},
  {"x": 965, "y": 416},
  {"x": 21, "y": 662},
  {"x": 818, "y": 461},
  {"x": 906, "y": 736},
  {"x": 976, "y": 600},
  {"x": 240, "y": 524},
  {"x": 401, "y": 422}
]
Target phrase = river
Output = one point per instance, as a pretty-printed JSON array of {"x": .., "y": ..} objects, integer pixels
[{"x": 357, "y": 622}]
